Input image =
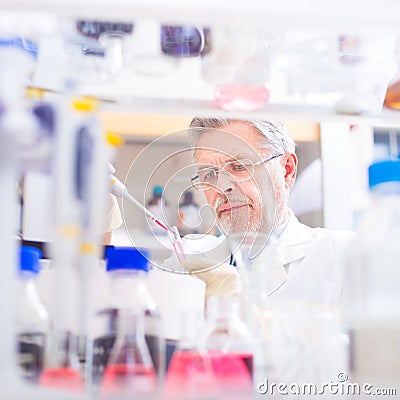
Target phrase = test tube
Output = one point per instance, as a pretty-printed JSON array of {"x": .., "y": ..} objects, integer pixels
[{"x": 176, "y": 242}]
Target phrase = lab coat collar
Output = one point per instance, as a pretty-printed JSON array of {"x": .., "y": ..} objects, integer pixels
[
  {"x": 291, "y": 245},
  {"x": 295, "y": 232}
]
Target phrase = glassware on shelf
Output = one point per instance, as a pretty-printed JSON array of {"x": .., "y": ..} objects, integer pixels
[
  {"x": 94, "y": 29},
  {"x": 238, "y": 64},
  {"x": 371, "y": 282},
  {"x": 190, "y": 375},
  {"x": 303, "y": 343},
  {"x": 94, "y": 51},
  {"x": 128, "y": 269},
  {"x": 33, "y": 322},
  {"x": 129, "y": 372},
  {"x": 349, "y": 71},
  {"x": 146, "y": 56},
  {"x": 184, "y": 41},
  {"x": 62, "y": 368},
  {"x": 230, "y": 346}
]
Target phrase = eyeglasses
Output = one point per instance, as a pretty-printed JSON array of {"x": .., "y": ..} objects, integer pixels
[{"x": 235, "y": 171}]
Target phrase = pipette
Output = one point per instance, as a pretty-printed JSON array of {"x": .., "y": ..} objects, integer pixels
[{"x": 118, "y": 189}]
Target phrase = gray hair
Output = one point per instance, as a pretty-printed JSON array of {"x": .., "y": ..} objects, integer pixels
[{"x": 275, "y": 136}]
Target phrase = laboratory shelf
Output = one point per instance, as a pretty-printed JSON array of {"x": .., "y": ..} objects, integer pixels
[
  {"x": 341, "y": 14},
  {"x": 304, "y": 112}
]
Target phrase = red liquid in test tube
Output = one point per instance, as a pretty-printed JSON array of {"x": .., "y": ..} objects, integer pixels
[{"x": 176, "y": 242}]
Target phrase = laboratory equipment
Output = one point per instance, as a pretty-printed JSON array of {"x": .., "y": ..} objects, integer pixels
[
  {"x": 119, "y": 189},
  {"x": 240, "y": 96},
  {"x": 231, "y": 347},
  {"x": 190, "y": 375},
  {"x": 32, "y": 318},
  {"x": 79, "y": 178},
  {"x": 61, "y": 368},
  {"x": 93, "y": 156},
  {"x": 189, "y": 220},
  {"x": 239, "y": 67},
  {"x": 184, "y": 41},
  {"x": 129, "y": 371},
  {"x": 176, "y": 242},
  {"x": 371, "y": 281},
  {"x": 130, "y": 302},
  {"x": 159, "y": 208},
  {"x": 94, "y": 28},
  {"x": 18, "y": 130}
]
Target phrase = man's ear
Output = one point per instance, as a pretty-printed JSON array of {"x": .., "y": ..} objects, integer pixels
[{"x": 290, "y": 165}]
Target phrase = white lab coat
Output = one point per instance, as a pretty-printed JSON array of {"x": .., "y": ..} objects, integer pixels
[{"x": 305, "y": 264}]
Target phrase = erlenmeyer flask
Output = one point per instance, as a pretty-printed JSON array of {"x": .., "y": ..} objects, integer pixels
[
  {"x": 230, "y": 345},
  {"x": 190, "y": 374},
  {"x": 62, "y": 369},
  {"x": 129, "y": 371},
  {"x": 238, "y": 65}
]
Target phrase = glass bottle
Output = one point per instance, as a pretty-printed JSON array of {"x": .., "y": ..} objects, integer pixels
[
  {"x": 32, "y": 317},
  {"x": 62, "y": 368},
  {"x": 239, "y": 66},
  {"x": 371, "y": 280},
  {"x": 230, "y": 346},
  {"x": 128, "y": 269},
  {"x": 190, "y": 374},
  {"x": 129, "y": 371}
]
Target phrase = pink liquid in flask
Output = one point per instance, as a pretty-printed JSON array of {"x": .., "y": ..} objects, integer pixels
[
  {"x": 240, "y": 97},
  {"x": 64, "y": 378},
  {"x": 123, "y": 379},
  {"x": 190, "y": 375},
  {"x": 233, "y": 369}
]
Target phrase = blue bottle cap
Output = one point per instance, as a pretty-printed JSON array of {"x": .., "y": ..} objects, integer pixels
[
  {"x": 127, "y": 258},
  {"x": 384, "y": 171},
  {"x": 29, "y": 259},
  {"x": 157, "y": 190}
]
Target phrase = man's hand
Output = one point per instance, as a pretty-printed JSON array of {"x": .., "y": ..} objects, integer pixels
[{"x": 221, "y": 280}]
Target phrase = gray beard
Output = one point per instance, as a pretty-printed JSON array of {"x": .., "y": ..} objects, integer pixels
[{"x": 239, "y": 222}]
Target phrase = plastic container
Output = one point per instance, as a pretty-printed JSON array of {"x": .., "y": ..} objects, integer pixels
[
  {"x": 33, "y": 321},
  {"x": 130, "y": 300},
  {"x": 372, "y": 282}
]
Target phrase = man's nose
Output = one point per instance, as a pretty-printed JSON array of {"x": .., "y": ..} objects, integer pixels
[{"x": 223, "y": 182}]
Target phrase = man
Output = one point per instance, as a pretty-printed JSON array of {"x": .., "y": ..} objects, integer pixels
[{"x": 246, "y": 169}]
